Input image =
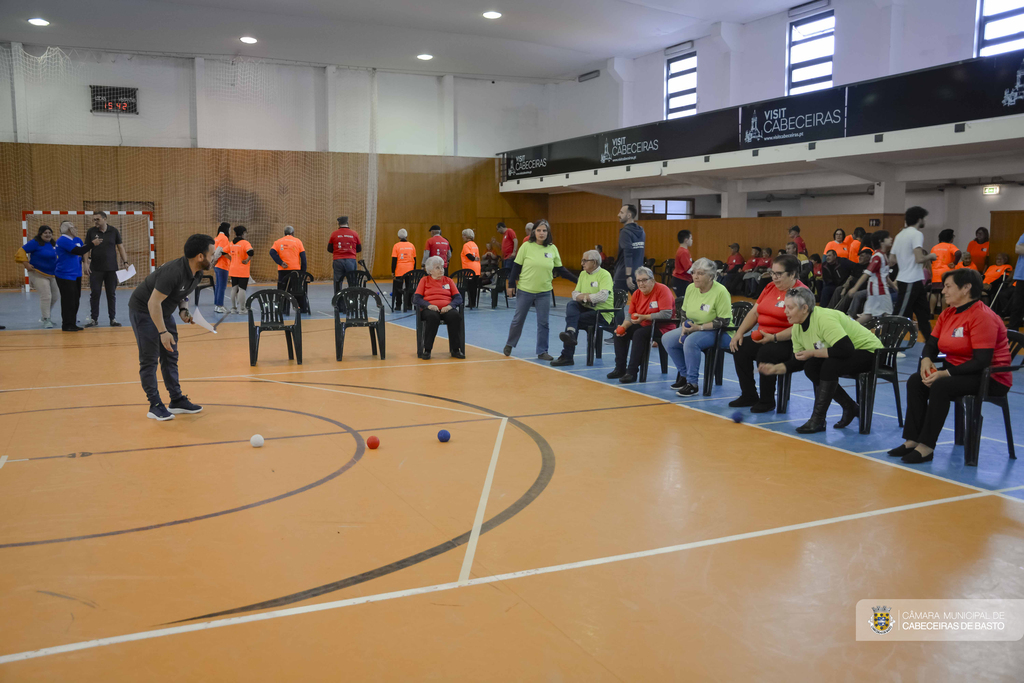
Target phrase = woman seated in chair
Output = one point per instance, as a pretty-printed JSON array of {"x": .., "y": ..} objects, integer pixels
[
  {"x": 439, "y": 299},
  {"x": 707, "y": 306},
  {"x": 774, "y": 346},
  {"x": 973, "y": 338},
  {"x": 827, "y": 344},
  {"x": 650, "y": 302}
]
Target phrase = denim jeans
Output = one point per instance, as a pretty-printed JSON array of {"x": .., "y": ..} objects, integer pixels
[
  {"x": 524, "y": 300},
  {"x": 686, "y": 354},
  {"x": 219, "y": 286}
]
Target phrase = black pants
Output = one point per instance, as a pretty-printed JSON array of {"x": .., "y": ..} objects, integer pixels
[
  {"x": 641, "y": 337},
  {"x": 151, "y": 351},
  {"x": 749, "y": 354},
  {"x": 831, "y": 369},
  {"x": 97, "y": 280},
  {"x": 70, "y": 297},
  {"x": 398, "y": 293},
  {"x": 927, "y": 407},
  {"x": 913, "y": 301},
  {"x": 577, "y": 317},
  {"x": 431, "y": 321},
  {"x": 733, "y": 280},
  {"x": 827, "y": 290},
  {"x": 1016, "y": 306},
  {"x": 679, "y": 286}
]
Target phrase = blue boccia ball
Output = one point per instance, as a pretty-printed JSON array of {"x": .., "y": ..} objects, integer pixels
[
  {"x": 737, "y": 417},
  {"x": 443, "y": 436}
]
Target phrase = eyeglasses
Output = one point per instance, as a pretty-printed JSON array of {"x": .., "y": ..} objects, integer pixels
[
  {"x": 646, "y": 279},
  {"x": 777, "y": 274},
  {"x": 589, "y": 260}
]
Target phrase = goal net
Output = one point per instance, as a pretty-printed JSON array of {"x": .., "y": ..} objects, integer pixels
[{"x": 136, "y": 228}]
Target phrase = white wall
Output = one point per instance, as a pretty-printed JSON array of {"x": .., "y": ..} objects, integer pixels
[
  {"x": 576, "y": 109},
  {"x": 495, "y": 116}
]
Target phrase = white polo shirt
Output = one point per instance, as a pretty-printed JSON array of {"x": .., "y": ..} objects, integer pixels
[{"x": 903, "y": 247}]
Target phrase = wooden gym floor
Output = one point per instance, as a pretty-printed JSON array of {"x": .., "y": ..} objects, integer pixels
[{"x": 569, "y": 531}]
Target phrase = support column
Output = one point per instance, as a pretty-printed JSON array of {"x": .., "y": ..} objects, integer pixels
[
  {"x": 448, "y": 145},
  {"x": 20, "y": 103},
  {"x": 199, "y": 114},
  {"x": 327, "y": 138},
  {"x": 734, "y": 204},
  {"x": 890, "y": 197},
  {"x": 620, "y": 70}
]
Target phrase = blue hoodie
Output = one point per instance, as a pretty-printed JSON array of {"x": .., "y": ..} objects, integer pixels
[{"x": 631, "y": 252}]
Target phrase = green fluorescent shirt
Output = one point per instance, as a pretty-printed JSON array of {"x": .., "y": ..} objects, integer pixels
[
  {"x": 593, "y": 283},
  {"x": 827, "y": 327},
  {"x": 703, "y": 308},
  {"x": 538, "y": 263}
]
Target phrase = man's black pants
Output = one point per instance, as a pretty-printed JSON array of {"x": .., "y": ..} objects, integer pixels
[
  {"x": 98, "y": 279},
  {"x": 1016, "y": 305},
  {"x": 70, "y": 297},
  {"x": 577, "y": 317},
  {"x": 151, "y": 351},
  {"x": 913, "y": 301}
]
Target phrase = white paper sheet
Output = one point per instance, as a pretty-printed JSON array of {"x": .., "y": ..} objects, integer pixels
[
  {"x": 127, "y": 274},
  {"x": 201, "y": 321}
]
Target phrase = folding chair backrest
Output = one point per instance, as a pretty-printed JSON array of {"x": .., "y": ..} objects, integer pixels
[
  {"x": 667, "y": 268},
  {"x": 459, "y": 276},
  {"x": 621, "y": 298},
  {"x": 413, "y": 277},
  {"x": 650, "y": 263},
  {"x": 896, "y": 334},
  {"x": 500, "y": 277},
  {"x": 1016, "y": 340},
  {"x": 740, "y": 309},
  {"x": 275, "y": 306},
  {"x": 295, "y": 284},
  {"x": 358, "y": 278},
  {"x": 354, "y": 303}
]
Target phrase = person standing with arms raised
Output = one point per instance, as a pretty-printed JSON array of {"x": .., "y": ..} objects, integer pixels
[
  {"x": 151, "y": 311},
  {"x": 908, "y": 249},
  {"x": 344, "y": 244},
  {"x": 101, "y": 265},
  {"x": 631, "y": 249},
  {"x": 438, "y": 246}
]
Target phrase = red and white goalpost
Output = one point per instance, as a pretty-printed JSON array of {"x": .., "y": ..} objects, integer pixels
[{"x": 147, "y": 216}]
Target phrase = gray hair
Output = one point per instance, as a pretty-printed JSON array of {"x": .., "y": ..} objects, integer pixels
[
  {"x": 643, "y": 270},
  {"x": 803, "y": 295},
  {"x": 433, "y": 261},
  {"x": 289, "y": 230},
  {"x": 706, "y": 266},
  {"x": 529, "y": 227},
  {"x": 592, "y": 255},
  {"x": 65, "y": 227},
  {"x": 403, "y": 233},
  {"x": 468, "y": 234}
]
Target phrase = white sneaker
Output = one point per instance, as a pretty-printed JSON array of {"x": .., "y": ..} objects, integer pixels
[
  {"x": 220, "y": 309},
  {"x": 89, "y": 322},
  {"x": 48, "y": 324}
]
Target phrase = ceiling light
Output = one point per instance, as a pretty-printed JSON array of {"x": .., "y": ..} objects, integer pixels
[
  {"x": 492, "y": 15},
  {"x": 425, "y": 57},
  {"x": 39, "y": 22},
  {"x": 249, "y": 40}
]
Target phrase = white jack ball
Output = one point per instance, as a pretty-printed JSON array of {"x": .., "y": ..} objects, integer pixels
[{"x": 256, "y": 441}]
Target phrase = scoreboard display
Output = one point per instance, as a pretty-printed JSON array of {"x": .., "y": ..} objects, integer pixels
[{"x": 108, "y": 99}]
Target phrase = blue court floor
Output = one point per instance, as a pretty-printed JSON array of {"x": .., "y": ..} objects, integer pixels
[{"x": 488, "y": 329}]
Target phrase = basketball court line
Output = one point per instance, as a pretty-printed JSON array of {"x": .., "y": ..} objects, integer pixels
[
  {"x": 496, "y": 578},
  {"x": 474, "y": 536},
  {"x": 3, "y": 459}
]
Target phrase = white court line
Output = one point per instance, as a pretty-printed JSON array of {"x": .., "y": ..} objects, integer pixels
[
  {"x": 308, "y": 609},
  {"x": 3, "y": 459},
  {"x": 474, "y": 536},
  {"x": 378, "y": 398}
]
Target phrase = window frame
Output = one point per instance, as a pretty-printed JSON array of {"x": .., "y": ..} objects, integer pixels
[
  {"x": 666, "y": 216},
  {"x": 685, "y": 110},
  {"x": 790, "y": 44},
  {"x": 981, "y": 43}
]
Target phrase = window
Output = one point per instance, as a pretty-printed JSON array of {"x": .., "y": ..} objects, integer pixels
[
  {"x": 1000, "y": 27},
  {"x": 681, "y": 86},
  {"x": 812, "y": 45},
  {"x": 666, "y": 209}
]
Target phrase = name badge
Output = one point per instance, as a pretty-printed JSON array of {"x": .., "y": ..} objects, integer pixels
[
  {"x": 780, "y": 304},
  {"x": 446, "y": 287},
  {"x": 819, "y": 345},
  {"x": 593, "y": 284},
  {"x": 654, "y": 304},
  {"x": 958, "y": 333},
  {"x": 705, "y": 308},
  {"x": 548, "y": 255}
]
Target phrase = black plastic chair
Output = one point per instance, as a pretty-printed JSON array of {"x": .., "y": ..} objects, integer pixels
[
  {"x": 466, "y": 282},
  {"x": 668, "y": 266},
  {"x": 412, "y": 281},
  {"x": 354, "y": 304},
  {"x": 714, "y": 357},
  {"x": 297, "y": 285},
  {"x": 498, "y": 287},
  {"x": 275, "y": 307},
  {"x": 357, "y": 278},
  {"x": 419, "y": 328},
  {"x": 897, "y": 336},
  {"x": 645, "y": 358},
  {"x": 967, "y": 412},
  {"x": 206, "y": 282},
  {"x": 596, "y": 331}
]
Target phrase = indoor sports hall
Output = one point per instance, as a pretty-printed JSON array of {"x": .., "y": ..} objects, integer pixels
[{"x": 590, "y": 341}]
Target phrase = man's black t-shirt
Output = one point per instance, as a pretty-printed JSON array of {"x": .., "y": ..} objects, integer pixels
[
  {"x": 104, "y": 257},
  {"x": 174, "y": 278}
]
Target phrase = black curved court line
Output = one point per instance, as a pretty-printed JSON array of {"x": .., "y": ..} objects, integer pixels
[
  {"x": 547, "y": 470},
  {"x": 360, "y": 450}
]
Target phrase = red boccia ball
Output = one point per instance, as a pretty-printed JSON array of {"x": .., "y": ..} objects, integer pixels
[
  {"x": 372, "y": 443},
  {"x": 620, "y": 330},
  {"x": 757, "y": 335}
]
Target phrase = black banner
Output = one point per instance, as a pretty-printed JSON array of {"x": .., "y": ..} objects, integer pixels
[
  {"x": 802, "y": 118},
  {"x": 555, "y": 157},
  {"x": 983, "y": 88},
  {"x": 710, "y": 133}
]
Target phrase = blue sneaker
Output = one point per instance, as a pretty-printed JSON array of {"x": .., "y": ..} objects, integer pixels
[
  {"x": 183, "y": 405},
  {"x": 159, "y": 412}
]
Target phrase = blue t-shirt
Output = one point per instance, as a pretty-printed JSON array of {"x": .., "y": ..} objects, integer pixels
[
  {"x": 69, "y": 266},
  {"x": 1018, "y": 272},
  {"x": 43, "y": 257}
]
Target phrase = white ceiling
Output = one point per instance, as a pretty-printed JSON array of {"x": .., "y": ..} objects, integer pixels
[{"x": 545, "y": 39}]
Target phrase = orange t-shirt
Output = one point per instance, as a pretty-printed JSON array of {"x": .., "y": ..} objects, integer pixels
[
  {"x": 995, "y": 272},
  {"x": 467, "y": 249},
  {"x": 854, "y": 247},
  {"x": 978, "y": 252},
  {"x": 660, "y": 299},
  {"x": 946, "y": 252},
  {"x": 962, "y": 265},
  {"x": 288, "y": 249},
  {"x": 240, "y": 251},
  {"x": 842, "y": 251},
  {"x": 222, "y": 241},
  {"x": 406, "y": 255}
]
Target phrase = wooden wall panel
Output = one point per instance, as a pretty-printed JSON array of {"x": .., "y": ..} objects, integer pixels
[{"x": 1006, "y": 228}]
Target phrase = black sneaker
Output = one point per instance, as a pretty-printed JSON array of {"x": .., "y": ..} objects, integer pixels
[
  {"x": 560, "y": 361},
  {"x": 546, "y": 356},
  {"x": 425, "y": 356},
  {"x": 744, "y": 402},
  {"x": 566, "y": 336},
  {"x": 616, "y": 373},
  {"x": 114, "y": 323},
  {"x": 507, "y": 351},
  {"x": 159, "y": 412},
  {"x": 678, "y": 384},
  {"x": 760, "y": 407},
  {"x": 627, "y": 379},
  {"x": 688, "y": 390},
  {"x": 183, "y": 405}
]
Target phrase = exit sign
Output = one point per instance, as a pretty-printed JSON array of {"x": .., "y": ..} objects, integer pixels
[{"x": 990, "y": 189}]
